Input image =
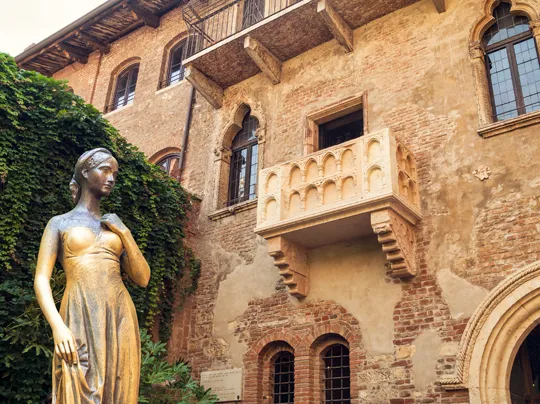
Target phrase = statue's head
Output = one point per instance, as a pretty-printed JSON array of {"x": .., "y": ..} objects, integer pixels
[{"x": 95, "y": 171}]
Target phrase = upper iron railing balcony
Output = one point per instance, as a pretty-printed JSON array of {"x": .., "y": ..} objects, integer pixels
[
  {"x": 211, "y": 22},
  {"x": 232, "y": 40},
  {"x": 363, "y": 186}
]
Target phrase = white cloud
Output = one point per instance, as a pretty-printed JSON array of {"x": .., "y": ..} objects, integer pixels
[{"x": 30, "y": 21}]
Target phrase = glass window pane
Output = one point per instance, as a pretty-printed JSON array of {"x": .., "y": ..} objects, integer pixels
[
  {"x": 502, "y": 85},
  {"x": 529, "y": 73},
  {"x": 125, "y": 87},
  {"x": 176, "y": 70},
  {"x": 506, "y": 25},
  {"x": 244, "y": 154}
]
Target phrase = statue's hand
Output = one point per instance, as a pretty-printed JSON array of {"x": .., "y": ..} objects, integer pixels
[
  {"x": 65, "y": 345},
  {"x": 113, "y": 222}
]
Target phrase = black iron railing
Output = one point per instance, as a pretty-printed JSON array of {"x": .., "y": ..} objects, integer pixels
[{"x": 210, "y": 22}]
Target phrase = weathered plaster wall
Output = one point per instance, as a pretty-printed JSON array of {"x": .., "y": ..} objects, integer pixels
[
  {"x": 243, "y": 284},
  {"x": 353, "y": 274},
  {"x": 415, "y": 67}
]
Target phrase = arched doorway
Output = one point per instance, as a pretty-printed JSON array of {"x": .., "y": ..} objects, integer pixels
[
  {"x": 507, "y": 318},
  {"x": 525, "y": 374}
]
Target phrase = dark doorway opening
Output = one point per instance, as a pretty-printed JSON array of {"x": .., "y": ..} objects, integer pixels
[
  {"x": 525, "y": 376},
  {"x": 341, "y": 130}
]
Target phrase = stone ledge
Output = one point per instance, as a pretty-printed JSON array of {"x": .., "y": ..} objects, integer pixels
[
  {"x": 498, "y": 128},
  {"x": 232, "y": 210}
]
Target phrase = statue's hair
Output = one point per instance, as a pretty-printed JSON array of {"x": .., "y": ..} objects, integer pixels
[{"x": 89, "y": 160}]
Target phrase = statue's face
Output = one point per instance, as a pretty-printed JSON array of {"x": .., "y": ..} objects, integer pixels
[{"x": 101, "y": 179}]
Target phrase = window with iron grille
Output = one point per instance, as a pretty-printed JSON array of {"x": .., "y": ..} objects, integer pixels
[
  {"x": 171, "y": 165},
  {"x": 512, "y": 65},
  {"x": 337, "y": 375},
  {"x": 125, "y": 87},
  {"x": 244, "y": 159},
  {"x": 284, "y": 378}
]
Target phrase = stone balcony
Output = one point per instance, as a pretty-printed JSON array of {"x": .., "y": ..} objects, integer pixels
[
  {"x": 364, "y": 186},
  {"x": 232, "y": 40}
]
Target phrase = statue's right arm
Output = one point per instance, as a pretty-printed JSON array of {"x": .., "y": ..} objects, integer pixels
[{"x": 64, "y": 343}]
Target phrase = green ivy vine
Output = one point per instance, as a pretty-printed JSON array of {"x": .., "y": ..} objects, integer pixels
[{"x": 43, "y": 130}]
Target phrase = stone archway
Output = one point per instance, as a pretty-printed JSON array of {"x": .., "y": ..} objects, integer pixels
[{"x": 493, "y": 336}]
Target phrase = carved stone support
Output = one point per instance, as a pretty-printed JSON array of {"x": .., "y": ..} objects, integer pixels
[
  {"x": 440, "y": 5},
  {"x": 292, "y": 261},
  {"x": 481, "y": 83},
  {"x": 209, "y": 90},
  {"x": 264, "y": 59},
  {"x": 396, "y": 236},
  {"x": 337, "y": 26}
]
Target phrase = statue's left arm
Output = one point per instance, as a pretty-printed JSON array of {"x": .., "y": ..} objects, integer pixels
[{"x": 132, "y": 259}]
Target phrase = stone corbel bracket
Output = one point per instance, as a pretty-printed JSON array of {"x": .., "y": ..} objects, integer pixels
[
  {"x": 396, "y": 235},
  {"x": 292, "y": 261}
]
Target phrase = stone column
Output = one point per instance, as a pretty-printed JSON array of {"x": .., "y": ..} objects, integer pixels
[
  {"x": 483, "y": 98},
  {"x": 535, "y": 27}
]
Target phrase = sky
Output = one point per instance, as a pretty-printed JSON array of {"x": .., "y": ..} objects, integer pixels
[{"x": 29, "y": 21}]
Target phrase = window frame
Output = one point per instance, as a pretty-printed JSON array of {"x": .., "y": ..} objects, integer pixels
[
  {"x": 130, "y": 71},
  {"x": 248, "y": 145},
  {"x": 355, "y": 104},
  {"x": 180, "y": 45},
  {"x": 508, "y": 44}
]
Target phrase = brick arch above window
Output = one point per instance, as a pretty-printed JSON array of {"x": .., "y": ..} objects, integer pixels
[
  {"x": 488, "y": 125},
  {"x": 260, "y": 366},
  {"x": 159, "y": 155},
  {"x": 323, "y": 379}
]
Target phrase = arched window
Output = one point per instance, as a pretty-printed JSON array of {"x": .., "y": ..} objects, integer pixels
[
  {"x": 512, "y": 65},
  {"x": 125, "y": 87},
  {"x": 283, "y": 378},
  {"x": 337, "y": 375},
  {"x": 244, "y": 158},
  {"x": 171, "y": 165}
]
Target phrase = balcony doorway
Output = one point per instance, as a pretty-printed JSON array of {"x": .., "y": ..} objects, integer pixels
[{"x": 341, "y": 130}]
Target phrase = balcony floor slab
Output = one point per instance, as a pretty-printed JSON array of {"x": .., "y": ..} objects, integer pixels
[{"x": 286, "y": 34}]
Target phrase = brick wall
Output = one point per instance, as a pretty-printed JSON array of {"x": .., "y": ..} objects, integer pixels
[{"x": 414, "y": 66}]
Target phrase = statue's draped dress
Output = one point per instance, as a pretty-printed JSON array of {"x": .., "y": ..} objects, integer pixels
[{"x": 99, "y": 312}]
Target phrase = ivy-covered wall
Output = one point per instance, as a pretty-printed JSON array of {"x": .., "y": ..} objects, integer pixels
[{"x": 43, "y": 130}]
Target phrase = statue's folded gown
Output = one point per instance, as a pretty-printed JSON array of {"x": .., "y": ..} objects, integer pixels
[{"x": 99, "y": 312}]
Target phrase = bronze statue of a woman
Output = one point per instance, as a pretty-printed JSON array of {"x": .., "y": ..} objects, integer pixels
[{"x": 96, "y": 333}]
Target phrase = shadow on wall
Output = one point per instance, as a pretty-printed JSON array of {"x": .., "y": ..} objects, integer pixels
[{"x": 353, "y": 274}]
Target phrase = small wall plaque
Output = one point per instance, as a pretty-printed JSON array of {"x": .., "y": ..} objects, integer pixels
[{"x": 226, "y": 384}]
